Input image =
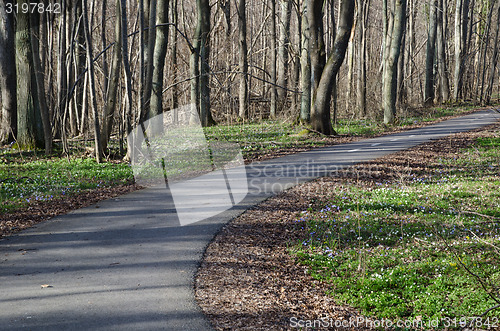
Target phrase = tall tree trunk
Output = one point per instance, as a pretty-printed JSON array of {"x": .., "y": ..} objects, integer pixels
[
  {"x": 27, "y": 101},
  {"x": 317, "y": 44},
  {"x": 393, "y": 45},
  {"x": 363, "y": 8},
  {"x": 431, "y": 51},
  {"x": 175, "y": 93},
  {"x": 273, "y": 69},
  {"x": 283, "y": 51},
  {"x": 441, "y": 53},
  {"x": 111, "y": 97},
  {"x": 320, "y": 112},
  {"x": 62, "y": 84},
  {"x": 204, "y": 17},
  {"x": 243, "y": 59},
  {"x": 351, "y": 51},
  {"x": 160, "y": 54},
  {"x": 8, "y": 111},
  {"x": 305, "y": 67},
  {"x": 39, "y": 82},
  {"x": 128, "y": 78},
  {"x": 494, "y": 59},
  {"x": 152, "y": 63},
  {"x": 195, "y": 63},
  {"x": 482, "y": 65},
  {"x": 91, "y": 75},
  {"x": 461, "y": 23},
  {"x": 296, "y": 58}
]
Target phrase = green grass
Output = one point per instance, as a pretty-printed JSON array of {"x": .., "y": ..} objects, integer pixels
[
  {"x": 398, "y": 250},
  {"x": 49, "y": 178}
]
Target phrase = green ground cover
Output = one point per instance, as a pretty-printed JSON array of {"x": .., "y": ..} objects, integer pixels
[{"x": 424, "y": 248}]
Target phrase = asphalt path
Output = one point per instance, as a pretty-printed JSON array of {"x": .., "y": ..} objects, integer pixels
[{"x": 127, "y": 263}]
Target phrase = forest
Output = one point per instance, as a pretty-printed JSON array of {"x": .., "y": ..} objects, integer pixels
[{"x": 94, "y": 70}]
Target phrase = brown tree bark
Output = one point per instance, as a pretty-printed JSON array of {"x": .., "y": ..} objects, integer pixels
[
  {"x": 111, "y": 97},
  {"x": 320, "y": 112},
  {"x": 8, "y": 111},
  {"x": 394, "y": 29},
  {"x": 39, "y": 83},
  {"x": 91, "y": 75},
  {"x": 160, "y": 54},
  {"x": 243, "y": 60},
  {"x": 431, "y": 51}
]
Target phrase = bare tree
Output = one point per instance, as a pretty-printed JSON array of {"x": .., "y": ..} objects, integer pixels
[
  {"x": 112, "y": 88},
  {"x": 493, "y": 69},
  {"x": 243, "y": 59},
  {"x": 461, "y": 32},
  {"x": 322, "y": 95},
  {"x": 394, "y": 25},
  {"x": 39, "y": 82},
  {"x": 431, "y": 50},
  {"x": 27, "y": 100},
  {"x": 363, "y": 14},
  {"x": 273, "y": 68},
  {"x": 305, "y": 66},
  {"x": 200, "y": 70},
  {"x": 8, "y": 111},
  {"x": 283, "y": 51},
  {"x": 444, "y": 84},
  {"x": 128, "y": 75},
  {"x": 91, "y": 75},
  {"x": 160, "y": 54}
]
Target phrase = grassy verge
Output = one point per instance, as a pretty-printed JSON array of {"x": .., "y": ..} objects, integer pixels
[
  {"x": 424, "y": 247},
  {"x": 28, "y": 179}
]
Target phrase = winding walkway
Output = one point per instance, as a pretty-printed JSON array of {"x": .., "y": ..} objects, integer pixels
[{"x": 127, "y": 264}]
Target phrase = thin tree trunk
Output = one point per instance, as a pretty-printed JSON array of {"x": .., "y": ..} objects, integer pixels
[
  {"x": 305, "y": 67},
  {"x": 204, "y": 17},
  {"x": 395, "y": 34},
  {"x": 195, "y": 64},
  {"x": 320, "y": 112},
  {"x": 39, "y": 81},
  {"x": 283, "y": 51},
  {"x": 175, "y": 93},
  {"x": 105, "y": 67},
  {"x": 494, "y": 60},
  {"x": 8, "y": 111},
  {"x": 151, "y": 61},
  {"x": 317, "y": 45},
  {"x": 111, "y": 97},
  {"x": 91, "y": 74},
  {"x": 274, "y": 93},
  {"x": 62, "y": 86},
  {"x": 483, "y": 66},
  {"x": 160, "y": 54},
  {"x": 431, "y": 51},
  {"x": 243, "y": 59},
  {"x": 461, "y": 22},
  {"x": 441, "y": 53},
  {"x": 351, "y": 51},
  {"x": 296, "y": 59},
  {"x": 364, "y": 7},
  {"x": 26, "y": 90},
  {"x": 128, "y": 78}
]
